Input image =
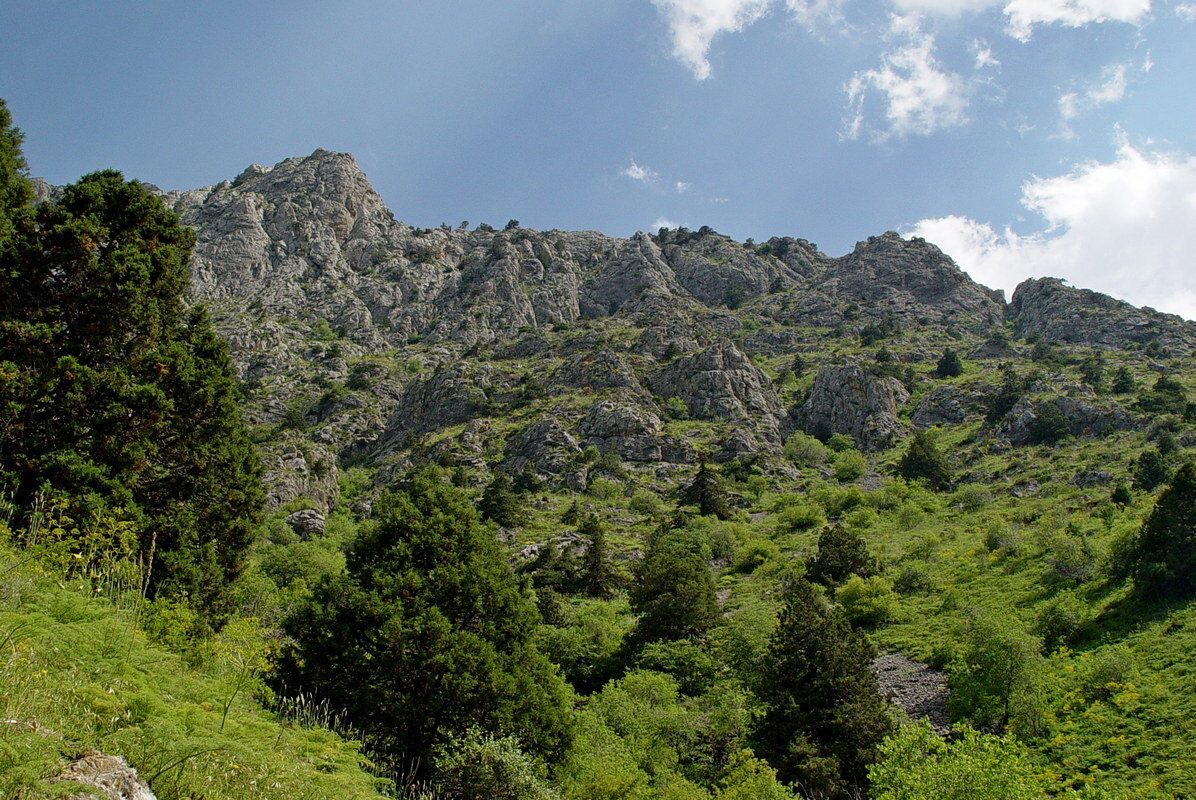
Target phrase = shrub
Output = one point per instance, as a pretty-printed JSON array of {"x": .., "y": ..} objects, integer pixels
[
  {"x": 867, "y": 602},
  {"x": 800, "y": 516},
  {"x": 479, "y": 766},
  {"x": 850, "y": 465},
  {"x": 1058, "y": 620},
  {"x": 841, "y": 554},
  {"x": 689, "y": 664},
  {"x": 918, "y": 764},
  {"x": 839, "y": 442},
  {"x": 805, "y": 450}
]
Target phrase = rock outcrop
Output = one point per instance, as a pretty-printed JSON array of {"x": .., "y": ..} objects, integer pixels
[
  {"x": 846, "y": 399},
  {"x": 912, "y": 282},
  {"x": 1050, "y": 309},
  {"x": 721, "y": 383}
]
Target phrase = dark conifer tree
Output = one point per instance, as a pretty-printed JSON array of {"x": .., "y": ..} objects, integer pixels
[
  {"x": 706, "y": 491},
  {"x": 824, "y": 717},
  {"x": 841, "y": 554},
  {"x": 500, "y": 503},
  {"x": 924, "y": 461},
  {"x": 949, "y": 365},
  {"x": 427, "y": 635},
  {"x": 1150, "y": 471},
  {"x": 674, "y": 594},
  {"x": 114, "y": 394},
  {"x": 597, "y": 573},
  {"x": 1163, "y": 559}
]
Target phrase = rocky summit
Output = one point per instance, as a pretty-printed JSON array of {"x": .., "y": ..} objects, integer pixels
[{"x": 363, "y": 340}]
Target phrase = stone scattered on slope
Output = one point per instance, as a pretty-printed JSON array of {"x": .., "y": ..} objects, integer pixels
[
  {"x": 915, "y": 688},
  {"x": 111, "y": 776}
]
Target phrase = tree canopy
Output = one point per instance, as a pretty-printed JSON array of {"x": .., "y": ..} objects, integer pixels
[
  {"x": 428, "y": 634},
  {"x": 115, "y": 392}
]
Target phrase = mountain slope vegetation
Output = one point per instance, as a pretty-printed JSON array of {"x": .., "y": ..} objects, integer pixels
[{"x": 555, "y": 514}]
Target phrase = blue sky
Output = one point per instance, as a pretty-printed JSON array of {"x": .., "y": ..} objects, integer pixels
[{"x": 1025, "y": 137}]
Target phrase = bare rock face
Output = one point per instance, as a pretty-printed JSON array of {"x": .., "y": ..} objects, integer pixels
[
  {"x": 1087, "y": 419},
  {"x": 1052, "y": 310},
  {"x": 297, "y": 467},
  {"x": 545, "y": 445},
  {"x": 941, "y": 405},
  {"x": 721, "y": 383},
  {"x": 849, "y": 400},
  {"x": 111, "y": 776},
  {"x": 633, "y": 432},
  {"x": 911, "y": 281},
  {"x": 599, "y": 370}
]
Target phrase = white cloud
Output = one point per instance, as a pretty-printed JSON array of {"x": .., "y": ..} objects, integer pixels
[
  {"x": 1109, "y": 88},
  {"x": 1126, "y": 228},
  {"x": 639, "y": 173},
  {"x": 662, "y": 222},
  {"x": 1025, "y": 14},
  {"x": 944, "y": 8},
  {"x": 1186, "y": 12},
  {"x": 983, "y": 55},
  {"x": 682, "y": 187},
  {"x": 694, "y": 24},
  {"x": 919, "y": 97}
]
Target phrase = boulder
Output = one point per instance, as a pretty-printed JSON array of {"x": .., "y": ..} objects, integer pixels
[
  {"x": 942, "y": 405},
  {"x": 846, "y": 399},
  {"x": 111, "y": 776},
  {"x": 306, "y": 523}
]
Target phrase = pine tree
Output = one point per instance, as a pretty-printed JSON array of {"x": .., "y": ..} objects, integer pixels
[
  {"x": 707, "y": 493},
  {"x": 674, "y": 594},
  {"x": 1150, "y": 471},
  {"x": 1163, "y": 556},
  {"x": 16, "y": 192},
  {"x": 114, "y": 395},
  {"x": 427, "y": 635},
  {"x": 1123, "y": 381},
  {"x": 824, "y": 717},
  {"x": 841, "y": 554},
  {"x": 500, "y": 503},
  {"x": 949, "y": 365},
  {"x": 924, "y": 461},
  {"x": 597, "y": 574}
]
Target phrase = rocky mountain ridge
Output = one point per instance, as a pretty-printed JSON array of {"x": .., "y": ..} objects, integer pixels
[{"x": 364, "y": 340}]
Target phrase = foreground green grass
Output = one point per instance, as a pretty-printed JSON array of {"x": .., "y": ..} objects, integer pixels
[{"x": 77, "y": 673}]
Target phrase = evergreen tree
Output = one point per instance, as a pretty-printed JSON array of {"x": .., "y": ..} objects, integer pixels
[
  {"x": 1093, "y": 370},
  {"x": 16, "y": 193},
  {"x": 949, "y": 365},
  {"x": 527, "y": 481},
  {"x": 1163, "y": 556},
  {"x": 841, "y": 554},
  {"x": 597, "y": 574},
  {"x": 674, "y": 594},
  {"x": 1167, "y": 396},
  {"x": 924, "y": 461},
  {"x": 824, "y": 718},
  {"x": 707, "y": 493},
  {"x": 500, "y": 503},
  {"x": 113, "y": 393},
  {"x": 1123, "y": 381},
  {"x": 1150, "y": 471},
  {"x": 1050, "y": 424},
  {"x": 427, "y": 635},
  {"x": 1121, "y": 495}
]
